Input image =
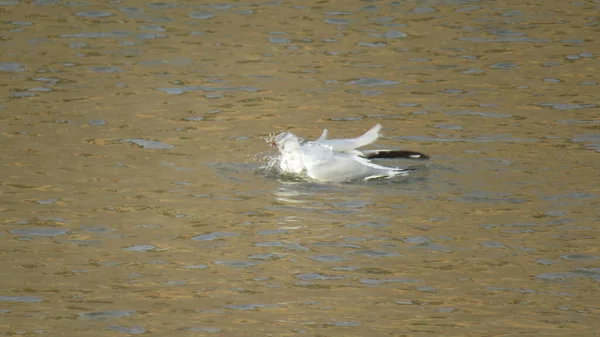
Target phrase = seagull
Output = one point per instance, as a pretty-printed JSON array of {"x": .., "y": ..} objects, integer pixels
[{"x": 338, "y": 160}]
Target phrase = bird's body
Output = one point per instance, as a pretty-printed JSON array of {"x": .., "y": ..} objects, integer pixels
[{"x": 332, "y": 160}]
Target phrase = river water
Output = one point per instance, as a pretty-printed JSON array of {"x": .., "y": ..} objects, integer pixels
[{"x": 132, "y": 199}]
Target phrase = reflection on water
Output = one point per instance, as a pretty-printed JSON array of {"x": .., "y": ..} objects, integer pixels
[{"x": 132, "y": 202}]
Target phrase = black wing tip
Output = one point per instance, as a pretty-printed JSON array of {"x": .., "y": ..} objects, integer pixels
[{"x": 390, "y": 154}]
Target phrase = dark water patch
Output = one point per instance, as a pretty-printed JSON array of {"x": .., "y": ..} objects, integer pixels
[
  {"x": 39, "y": 231},
  {"x": 327, "y": 258},
  {"x": 195, "y": 266},
  {"x": 416, "y": 239},
  {"x": 423, "y": 10},
  {"x": 251, "y": 306},
  {"x": 12, "y": 67},
  {"x": 148, "y": 144},
  {"x": 337, "y": 21},
  {"x": 102, "y": 315},
  {"x": 472, "y": 71},
  {"x": 383, "y": 19},
  {"x": 555, "y": 213},
  {"x": 372, "y": 45},
  {"x": 158, "y": 262},
  {"x": 453, "y": 91},
  {"x": 452, "y": 127},
  {"x": 210, "y": 311},
  {"x": 149, "y": 36},
  {"x": 562, "y": 276},
  {"x": 514, "y": 290},
  {"x": 81, "y": 242},
  {"x": 566, "y": 106},
  {"x": 371, "y": 82},
  {"x": 575, "y": 196},
  {"x": 426, "y": 289},
  {"x": 296, "y": 247},
  {"x": 149, "y": 226},
  {"x": 203, "y": 329},
  {"x": 336, "y": 244},
  {"x": 407, "y": 302},
  {"x": 375, "y": 253},
  {"x": 366, "y": 224},
  {"x": 201, "y": 15},
  {"x": 216, "y": 6},
  {"x": 512, "y": 13},
  {"x": 519, "y": 225},
  {"x": 503, "y": 65},
  {"x": 346, "y": 119},
  {"x": 505, "y": 32},
  {"x": 503, "y": 39},
  {"x": 162, "y": 5},
  {"x": 578, "y": 121},
  {"x": 24, "y": 299},
  {"x": 477, "y": 113},
  {"x": 153, "y": 28},
  {"x": 94, "y": 14},
  {"x": 502, "y": 138},
  {"x": 592, "y": 141},
  {"x": 39, "y": 89},
  {"x": 174, "y": 283},
  {"x": 181, "y": 90},
  {"x": 47, "y": 218},
  {"x": 492, "y": 244},
  {"x": 177, "y": 61},
  {"x": 433, "y": 247},
  {"x": 130, "y": 330},
  {"x": 272, "y": 232},
  {"x": 266, "y": 257},
  {"x": 21, "y": 94},
  {"x": 344, "y": 323},
  {"x": 408, "y": 105},
  {"x": 96, "y": 122},
  {"x": 279, "y": 40},
  {"x": 235, "y": 263},
  {"x": 213, "y": 236},
  {"x": 574, "y": 57},
  {"x": 490, "y": 197},
  {"x": 140, "y": 248},
  {"x": 317, "y": 277},
  {"x": 338, "y": 13},
  {"x": 545, "y": 262},
  {"x": 579, "y": 257},
  {"x": 593, "y": 273},
  {"x": 551, "y": 64},
  {"x": 95, "y": 35},
  {"x": 130, "y": 10},
  {"x": 371, "y": 281}
]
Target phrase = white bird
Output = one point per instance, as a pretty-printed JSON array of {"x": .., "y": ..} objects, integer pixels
[{"x": 335, "y": 160}]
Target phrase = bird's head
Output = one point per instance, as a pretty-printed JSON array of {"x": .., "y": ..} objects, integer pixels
[{"x": 286, "y": 142}]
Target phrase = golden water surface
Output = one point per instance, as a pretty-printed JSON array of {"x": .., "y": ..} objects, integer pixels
[{"x": 132, "y": 200}]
